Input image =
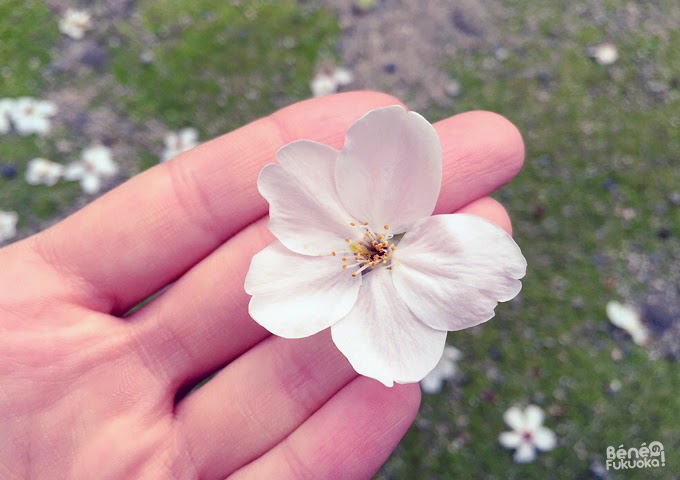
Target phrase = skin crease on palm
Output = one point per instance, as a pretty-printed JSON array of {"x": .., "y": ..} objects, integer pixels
[{"x": 90, "y": 393}]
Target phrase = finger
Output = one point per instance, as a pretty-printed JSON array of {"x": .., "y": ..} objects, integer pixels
[
  {"x": 149, "y": 231},
  {"x": 490, "y": 209},
  {"x": 259, "y": 399},
  {"x": 349, "y": 438},
  {"x": 202, "y": 322}
]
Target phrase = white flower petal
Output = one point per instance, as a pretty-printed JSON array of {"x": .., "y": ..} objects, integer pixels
[
  {"x": 90, "y": 183},
  {"x": 389, "y": 171},
  {"x": 305, "y": 212},
  {"x": 8, "y": 225},
  {"x": 451, "y": 270},
  {"x": 45, "y": 108},
  {"x": 30, "y": 116},
  {"x": 98, "y": 157},
  {"x": 432, "y": 383},
  {"x": 171, "y": 141},
  {"x": 74, "y": 171},
  {"x": 295, "y": 296},
  {"x": 533, "y": 417},
  {"x": 525, "y": 453},
  {"x": 343, "y": 76},
  {"x": 544, "y": 438},
  {"x": 381, "y": 337},
  {"x": 43, "y": 171},
  {"x": 514, "y": 418},
  {"x": 510, "y": 439},
  {"x": 322, "y": 85},
  {"x": 629, "y": 319},
  {"x": 188, "y": 137}
]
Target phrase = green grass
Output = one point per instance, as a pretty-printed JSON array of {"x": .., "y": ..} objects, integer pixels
[
  {"x": 28, "y": 31},
  {"x": 217, "y": 66},
  {"x": 587, "y": 128}
]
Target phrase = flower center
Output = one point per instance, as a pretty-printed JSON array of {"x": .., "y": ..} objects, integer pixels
[
  {"x": 372, "y": 251},
  {"x": 526, "y": 436}
]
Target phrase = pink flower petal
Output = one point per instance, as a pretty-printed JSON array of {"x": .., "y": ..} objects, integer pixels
[
  {"x": 389, "y": 172},
  {"x": 452, "y": 270},
  {"x": 305, "y": 212},
  {"x": 381, "y": 337},
  {"x": 295, "y": 296}
]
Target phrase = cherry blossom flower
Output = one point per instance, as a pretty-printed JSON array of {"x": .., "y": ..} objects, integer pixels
[
  {"x": 179, "y": 142},
  {"x": 329, "y": 79},
  {"x": 75, "y": 23},
  {"x": 94, "y": 166},
  {"x": 629, "y": 319},
  {"x": 445, "y": 370},
  {"x": 528, "y": 433},
  {"x": 31, "y": 116},
  {"x": 43, "y": 171},
  {"x": 358, "y": 251},
  {"x": 6, "y": 108},
  {"x": 8, "y": 225}
]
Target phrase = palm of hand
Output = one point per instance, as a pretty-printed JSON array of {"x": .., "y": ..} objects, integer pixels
[{"x": 88, "y": 394}]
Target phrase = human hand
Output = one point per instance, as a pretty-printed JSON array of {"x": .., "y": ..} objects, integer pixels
[{"x": 90, "y": 393}]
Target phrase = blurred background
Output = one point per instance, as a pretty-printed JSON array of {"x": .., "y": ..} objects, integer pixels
[{"x": 594, "y": 86}]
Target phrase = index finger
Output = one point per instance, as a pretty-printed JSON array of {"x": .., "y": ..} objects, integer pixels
[{"x": 149, "y": 231}]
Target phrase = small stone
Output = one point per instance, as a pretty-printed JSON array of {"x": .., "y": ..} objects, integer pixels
[
  {"x": 664, "y": 233},
  {"x": 615, "y": 386},
  {"x": 95, "y": 57},
  {"x": 495, "y": 354},
  {"x": 8, "y": 171},
  {"x": 453, "y": 88},
  {"x": 616, "y": 354},
  {"x": 610, "y": 185},
  {"x": 390, "y": 68}
]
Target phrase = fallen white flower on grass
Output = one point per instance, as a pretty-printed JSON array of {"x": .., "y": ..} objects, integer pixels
[
  {"x": 94, "y": 166},
  {"x": 179, "y": 142},
  {"x": 445, "y": 370},
  {"x": 8, "y": 225},
  {"x": 75, "y": 23},
  {"x": 329, "y": 80},
  {"x": 6, "y": 107},
  {"x": 43, "y": 171},
  {"x": 604, "y": 54},
  {"x": 358, "y": 251},
  {"x": 629, "y": 319},
  {"x": 30, "y": 116},
  {"x": 528, "y": 433}
]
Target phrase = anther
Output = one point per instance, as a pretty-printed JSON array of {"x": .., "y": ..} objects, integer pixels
[
  {"x": 386, "y": 227},
  {"x": 333, "y": 253},
  {"x": 347, "y": 239},
  {"x": 353, "y": 224},
  {"x": 365, "y": 223},
  {"x": 344, "y": 259},
  {"x": 393, "y": 247}
]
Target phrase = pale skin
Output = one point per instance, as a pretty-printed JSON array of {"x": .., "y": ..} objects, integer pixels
[{"x": 87, "y": 393}]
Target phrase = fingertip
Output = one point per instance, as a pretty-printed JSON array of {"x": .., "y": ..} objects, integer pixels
[{"x": 491, "y": 210}]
